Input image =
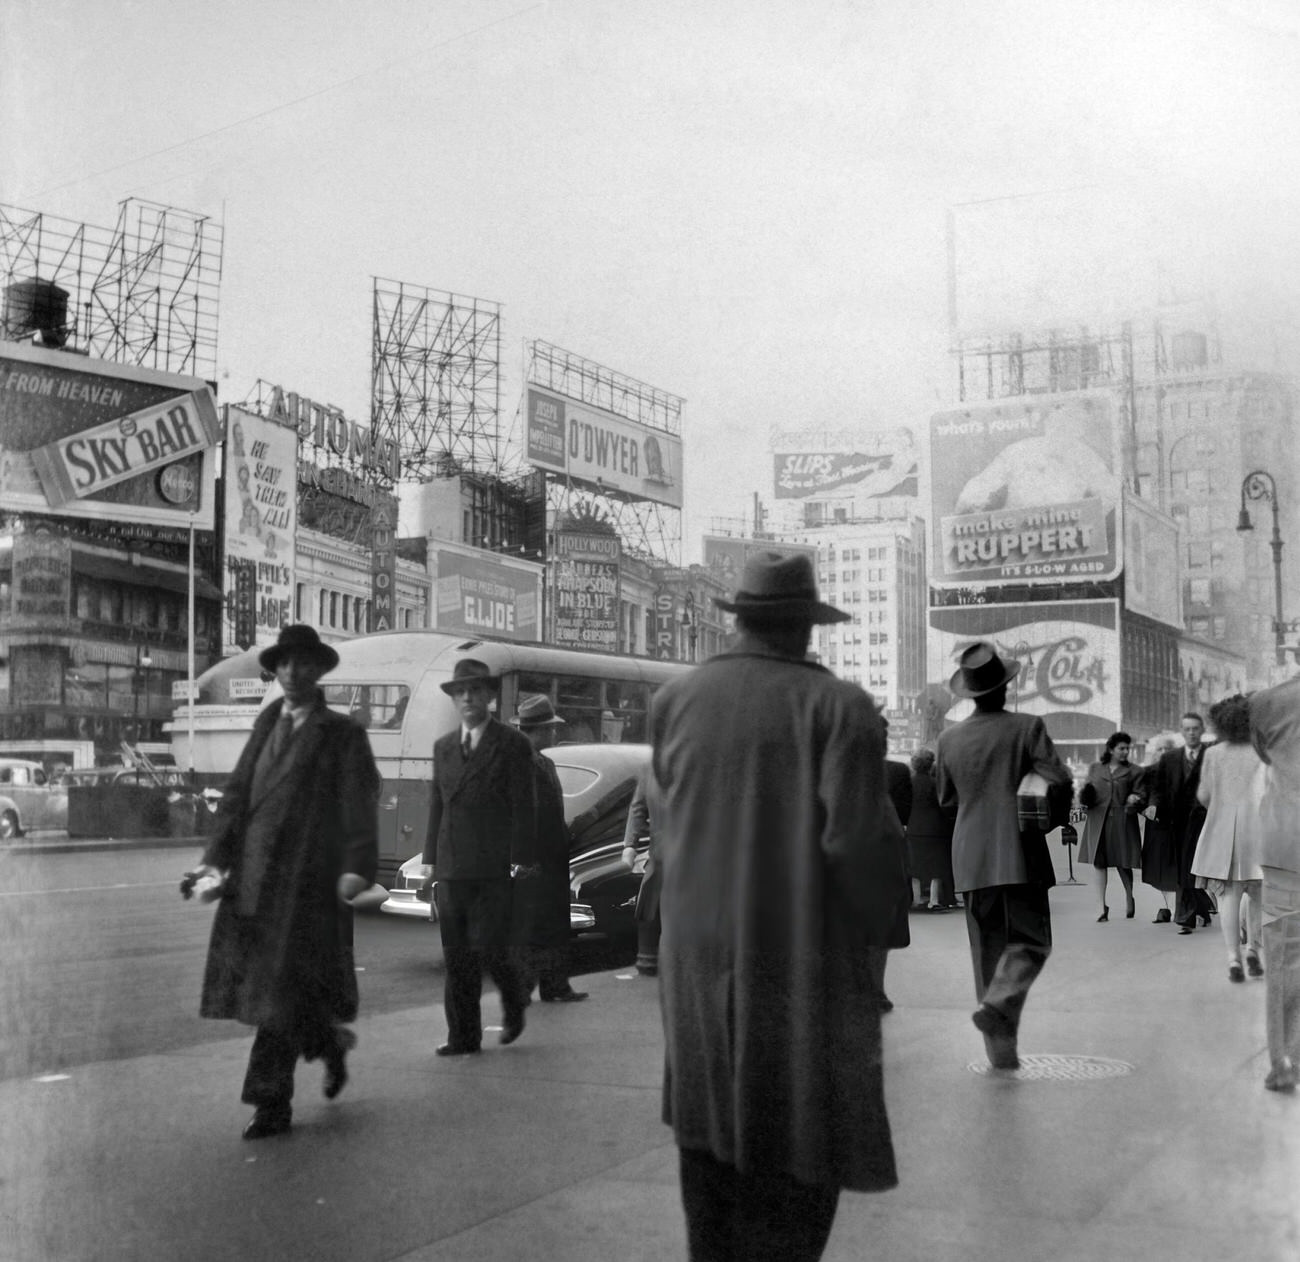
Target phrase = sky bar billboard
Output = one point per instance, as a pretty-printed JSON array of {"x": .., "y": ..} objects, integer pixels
[
  {"x": 1026, "y": 491},
  {"x": 602, "y": 449},
  {"x": 98, "y": 439}
]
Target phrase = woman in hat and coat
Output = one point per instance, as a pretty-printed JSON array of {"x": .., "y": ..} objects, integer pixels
[
  {"x": 1113, "y": 794},
  {"x": 296, "y": 839}
]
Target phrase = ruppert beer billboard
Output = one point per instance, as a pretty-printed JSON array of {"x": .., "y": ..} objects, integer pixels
[
  {"x": 1026, "y": 491},
  {"x": 96, "y": 439},
  {"x": 602, "y": 449}
]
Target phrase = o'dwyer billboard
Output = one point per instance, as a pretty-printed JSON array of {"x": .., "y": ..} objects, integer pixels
[{"x": 1025, "y": 491}]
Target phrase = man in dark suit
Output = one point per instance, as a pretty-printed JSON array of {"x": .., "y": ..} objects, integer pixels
[
  {"x": 542, "y": 905},
  {"x": 295, "y": 841},
  {"x": 1174, "y": 804},
  {"x": 1004, "y": 870},
  {"x": 482, "y": 825}
]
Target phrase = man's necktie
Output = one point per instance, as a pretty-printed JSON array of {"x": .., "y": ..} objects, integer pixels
[
  {"x": 280, "y": 737},
  {"x": 467, "y": 746}
]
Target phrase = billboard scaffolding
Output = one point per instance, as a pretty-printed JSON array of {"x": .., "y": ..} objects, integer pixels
[
  {"x": 144, "y": 292},
  {"x": 640, "y": 494},
  {"x": 436, "y": 378}
]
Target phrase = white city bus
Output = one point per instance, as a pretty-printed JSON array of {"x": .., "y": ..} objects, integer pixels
[{"x": 389, "y": 682}]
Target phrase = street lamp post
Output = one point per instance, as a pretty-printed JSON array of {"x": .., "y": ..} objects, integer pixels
[
  {"x": 142, "y": 663},
  {"x": 1259, "y": 485}
]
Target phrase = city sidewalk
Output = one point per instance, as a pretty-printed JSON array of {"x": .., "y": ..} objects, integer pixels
[{"x": 553, "y": 1147}]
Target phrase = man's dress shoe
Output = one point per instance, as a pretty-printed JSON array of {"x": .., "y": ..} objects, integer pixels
[
  {"x": 336, "y": 1063},
  {"x": 511, "y": 1029},
  {"x": 999, "y": 1036},
  {"x": 268, "y": 1122},
  {"x": 455, "y": 1049},
  {"x": 565, "y": 996}
]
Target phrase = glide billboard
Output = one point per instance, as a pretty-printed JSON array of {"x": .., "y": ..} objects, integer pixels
[
  {"x": 1026, "y": 491},
  {"x": 104, "y": 441},
  {"x": 479, "y": 594},
  {"x": 602, "y": 449},
  {"x": 1069, "y": 655}
]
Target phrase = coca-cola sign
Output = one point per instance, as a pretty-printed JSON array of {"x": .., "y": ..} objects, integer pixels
[{"x": 1068, "y": 651}]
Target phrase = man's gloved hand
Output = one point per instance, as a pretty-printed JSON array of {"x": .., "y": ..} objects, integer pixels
[{"x": 350, "y": 885}]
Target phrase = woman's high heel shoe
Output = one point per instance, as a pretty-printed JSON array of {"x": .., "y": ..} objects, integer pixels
[
  {"x": 1131, "y": 910},
  {"x": 1105, "y": 915}
]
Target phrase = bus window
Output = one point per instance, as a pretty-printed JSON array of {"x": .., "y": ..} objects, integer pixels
[
  {"x": 578, "y": 703},
  {"x": 373, "y": 706},
  {"x": 624, "y": 717},
  {"x": 530, "y": 683}
]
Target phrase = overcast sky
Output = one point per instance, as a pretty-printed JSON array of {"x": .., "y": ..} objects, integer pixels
[{"x": 741, "y": 203}]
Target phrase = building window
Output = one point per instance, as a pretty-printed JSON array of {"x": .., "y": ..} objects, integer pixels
[
  {"x": 334, "y": 609},
  {"x": 324, "y": 607},
  {"x": 300, "y": 602},
  {"x": 1199, "y": 591}
]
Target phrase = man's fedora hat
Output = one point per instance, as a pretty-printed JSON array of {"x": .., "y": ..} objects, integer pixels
[
  {"x": 777, "y": 587},
  {"x": 302, "y": 639},
  {"x": 981, "y": 670},
  {"x": 469, "y": 670},
  {"x": 536, "y": 711}
]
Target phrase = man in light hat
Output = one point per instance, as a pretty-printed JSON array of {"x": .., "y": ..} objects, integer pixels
[
  {"x": 1004, "y": 871},
  {"x": 783, "y": 879},
  {"x": 296, "y": 840},
  {"x": 542, "y": 906},
  {"x": 481, "y": 826}
]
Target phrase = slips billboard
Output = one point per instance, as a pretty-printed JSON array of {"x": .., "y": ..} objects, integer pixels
[
  {"x": 875, "y": 466},
  {"x": 1026, "y": 492},
  {"x": 105, "y": 441}
]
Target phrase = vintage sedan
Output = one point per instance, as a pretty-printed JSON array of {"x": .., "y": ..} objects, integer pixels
[
  {"x": 597, "y": 782},
  {"x": 29, "y": 802}
]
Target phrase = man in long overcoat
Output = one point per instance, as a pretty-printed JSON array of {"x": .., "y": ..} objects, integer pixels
[
  {"x": 782, "y": 870},
  {"x": 1004, "y": 870},
  {"x": 541, "y": 906},
  {"x": 296, "y": 837},
  {"x": 482, "y": 825},
  {"x": 1173, "y": 802}
]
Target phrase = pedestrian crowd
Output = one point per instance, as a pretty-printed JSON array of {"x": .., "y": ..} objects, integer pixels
[{"x": 785, "y": 853}]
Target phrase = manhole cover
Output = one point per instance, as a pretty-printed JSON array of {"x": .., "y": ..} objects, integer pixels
[{"x": 1037, "y": 1068}]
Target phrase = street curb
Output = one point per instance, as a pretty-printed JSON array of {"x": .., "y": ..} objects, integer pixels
[{"x": 64, "y": 844}]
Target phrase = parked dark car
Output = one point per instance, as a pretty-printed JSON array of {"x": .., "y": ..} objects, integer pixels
[{"x": 598, "y": 782}]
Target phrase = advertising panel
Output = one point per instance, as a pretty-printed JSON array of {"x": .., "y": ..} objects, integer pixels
[
  {"x": 383, "y": 566},
  {"x": 1208, "y": 675},
  {"x": 42, "y": 578},
  {"x": 586, "y": 570},
  {"x": 1026, "y": 492},
  {"x": 480, "y": 594},
  {"x": 602, "y": 449},
  {"x": 725, "y": 556},
  {"x": 106, "y": 441},
  {"x": 874, "y": 467},
  {"x": 1069, "y": 655},
  {"x": 261, "y": 507},
  {"x": 1152, "y": 575}
]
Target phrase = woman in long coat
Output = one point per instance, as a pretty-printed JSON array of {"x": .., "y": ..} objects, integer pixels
[
  {"x": 1112, "y": 796},
  {"x": 1159, "y": 846},
  {"x": 1227, "y": 859},
  {"x": 929, "y": 834}
]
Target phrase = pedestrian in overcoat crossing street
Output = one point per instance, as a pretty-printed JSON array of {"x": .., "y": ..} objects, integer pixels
[
  {"x": 482, "y": 829},
  {"x": 783, "y": 872},
  {"x": 296, "y": 840}
]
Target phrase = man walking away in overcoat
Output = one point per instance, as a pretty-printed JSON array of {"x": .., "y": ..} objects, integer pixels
[
  {"x": 541, "y": 906},
  {"x": 1004, "y": 871},
  {"x": 296, "y": 837},
  {"x": 1174, "y": 803},
  {"x": 782, "y": 871},
  {"x": 482, "y": 826}
]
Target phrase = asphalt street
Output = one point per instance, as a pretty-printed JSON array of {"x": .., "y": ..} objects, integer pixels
[{"x": 103, "y": 958}]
